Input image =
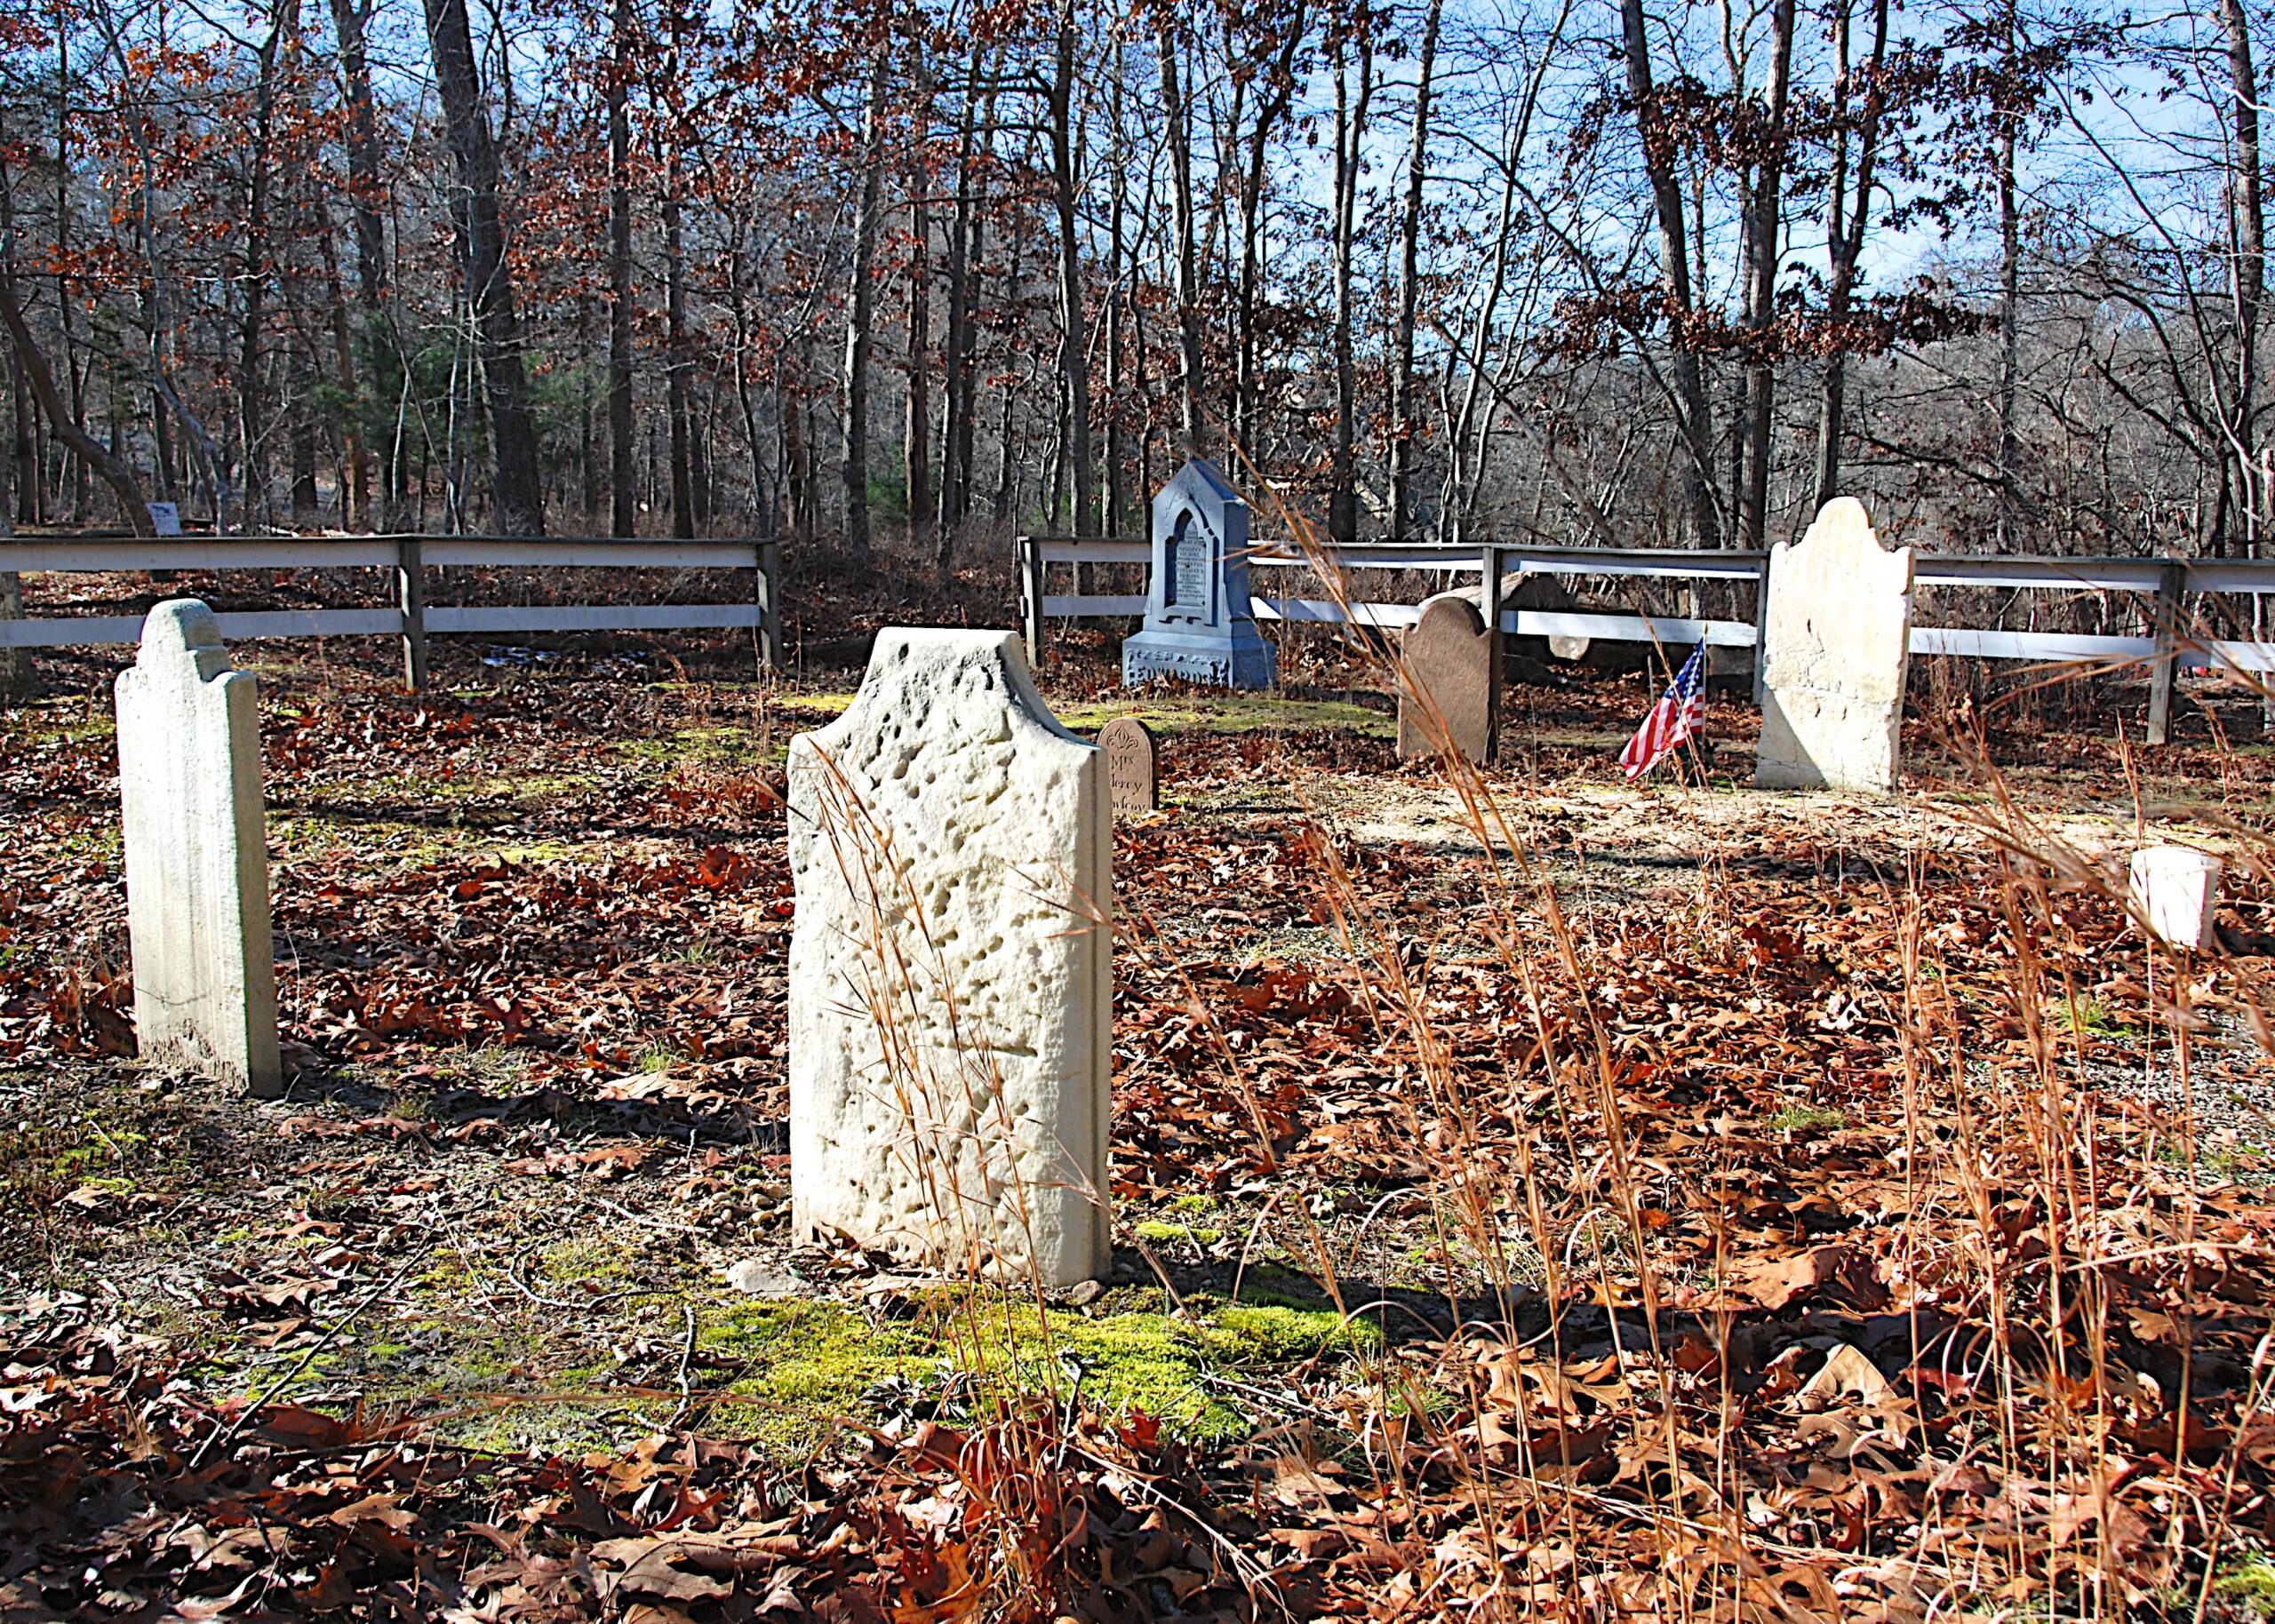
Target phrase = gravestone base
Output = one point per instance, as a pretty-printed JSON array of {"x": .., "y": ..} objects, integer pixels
[{"x": 1238, "y": 658}]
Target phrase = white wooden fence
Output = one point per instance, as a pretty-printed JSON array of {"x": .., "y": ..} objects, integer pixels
[
  {"x": 2161, "y": 584},
  {"x": 406, "y": 559}
]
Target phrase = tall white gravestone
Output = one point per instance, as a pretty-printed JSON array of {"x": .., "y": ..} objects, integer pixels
[
  {"x": 1200, "y": 623},
  {"x": 951, "y": 994},
  {"x": 1836, "y": 645},
  {"x": 196, "y": 854}
]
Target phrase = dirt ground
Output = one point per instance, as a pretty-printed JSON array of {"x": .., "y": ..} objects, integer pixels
[{"x": 528, "y": 1192}]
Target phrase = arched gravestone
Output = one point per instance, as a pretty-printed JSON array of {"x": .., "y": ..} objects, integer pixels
[
  {"x": 1836, "y": 646},
  {"x": 1129, "y": 767},
  {"x": 951, "y": 1003},
  {"x": 196, "y": 854},
  {"x": 1199, "y": 624},
  {"x": 1445, "y": 679}
]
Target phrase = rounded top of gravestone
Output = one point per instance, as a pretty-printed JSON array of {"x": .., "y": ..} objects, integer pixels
[
  {"x": 1448, "y": 612},
  {"x": 180, "y": 625},
  {"x": 1842, "y": 535},
  {"x": 181, "y": 648},
  {"x": 1127, "y": 737},
  {"x": 975, "y": 684}
]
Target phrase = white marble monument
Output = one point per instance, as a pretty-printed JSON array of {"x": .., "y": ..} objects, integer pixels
[
  {"x": 1836, "y": 646},
  {"x": 196, "y": 854},
  {"x": 2174, "y": 890},
  {"x": 951, "y": 998}
]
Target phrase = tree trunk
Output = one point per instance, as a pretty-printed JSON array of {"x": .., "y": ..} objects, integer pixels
[
  {"x": 1766, "y": 236},
  {"x": 1074, "y": 331},
  {"x": 1409, "y": 291},
  {"x": 1350, "y": 138},
  {"x": 518, "y": 496},
  {"x": 2249, "y": 279},
  {"x": 1188, "y": 290},
  {"x": 1272, "y": 102},
  {"x": 2009, "y": 335},
  {"x": 675, "y": 357},
  {"x": 1694, "y": 425},
  {"x": 1117, "y": 442},
  {"x": 916, "y": 440},
  {"x": 252, "y": 432},
  {"x": 624, "y": 493},
  {"x": 1845, "y": 235},
  {"x": 859, "y": 311}
]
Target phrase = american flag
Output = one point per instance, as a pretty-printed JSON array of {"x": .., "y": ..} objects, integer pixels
[{"x": 1675, "y": 719}]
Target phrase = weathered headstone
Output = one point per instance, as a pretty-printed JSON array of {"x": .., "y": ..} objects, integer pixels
[
  {"x": 1129, "y": 767},
  {"x": 1198, "y": 622},
  {"x": 1445, "y": 679},
  {"x": 950, "y": 1001},
  {"x": 2174, "y": 889},
  {"x": 196, "y": 854},
  {"x": 1836, "y": 643}
]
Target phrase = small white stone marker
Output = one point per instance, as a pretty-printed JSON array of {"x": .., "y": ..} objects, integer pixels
[
  {"x": 951, "y": 998},
  {"x": 1836, "y": 646},
  {"x": 196, "y": 854},
  {"x": 2175, "y": 889}
]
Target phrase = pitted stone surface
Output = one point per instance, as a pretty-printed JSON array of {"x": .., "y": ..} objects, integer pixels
[
  {"x": 1444, "y": 692},
  {"x": 1837, "y": 644},
  {"x": 2174, "y": 890},
  {"x": 951, "y": 1003},
  {"x": 196, "y": 854}
]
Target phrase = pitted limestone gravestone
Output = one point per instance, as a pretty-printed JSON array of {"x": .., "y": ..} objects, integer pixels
[
  {"x": 1445, "y": 679},
  {"x": 2174, "y": 890},
  {"x": 1198, "y": 622},
  {"x": 196, "y": 854},
  {"x": 1129, "y": 767},
  {"x": 1836, "y": 643},
  {"x": 950, "y": 1007}
]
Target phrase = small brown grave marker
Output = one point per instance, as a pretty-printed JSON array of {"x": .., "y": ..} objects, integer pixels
[
  {"x": 1128, "y": 746},
  {"x": 1445, "y": 659}
]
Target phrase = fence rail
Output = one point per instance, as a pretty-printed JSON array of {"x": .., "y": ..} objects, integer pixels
[
  {"x": 407, "y": 559},
  {"x": 2164, "y": 581}
]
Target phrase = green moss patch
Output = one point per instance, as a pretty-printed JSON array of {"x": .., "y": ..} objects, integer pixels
[{"x": 807, "y": 1364}]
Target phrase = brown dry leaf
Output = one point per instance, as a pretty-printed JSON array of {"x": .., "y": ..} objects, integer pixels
[
  {"x": 380, "y": 1509},
  {"x": 1846, "y": 1373},
  {"x": 1296, "y": 1482},
  {"x": 1775, "y": 1283}
]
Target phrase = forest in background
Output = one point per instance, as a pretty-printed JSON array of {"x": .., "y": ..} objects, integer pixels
[{"x": 891, "y": 272}]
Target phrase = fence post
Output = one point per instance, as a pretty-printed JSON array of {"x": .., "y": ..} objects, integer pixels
[
  {"x": 411, "y": 598},
  {"x": 2170, "y": 581},
  {"x": 1761, "y": 636},
  {"x": 769, "y": 605},
  {"x": 1489, "y": 600},
  {"x": 1030, "y": 556}
]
